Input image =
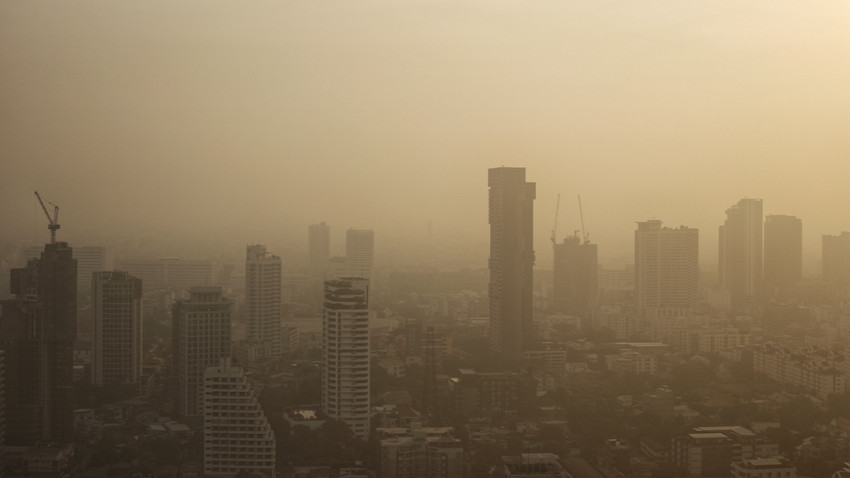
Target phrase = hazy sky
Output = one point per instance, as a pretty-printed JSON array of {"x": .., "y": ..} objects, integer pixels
[{"x": 250, "y": 120}]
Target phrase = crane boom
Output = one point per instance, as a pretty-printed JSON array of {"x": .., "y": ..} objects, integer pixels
[{"x": 53, "y": 223}]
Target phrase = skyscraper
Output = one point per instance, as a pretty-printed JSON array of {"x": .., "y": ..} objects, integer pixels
[
  {"x": 201, "y": 337},
  {"x": 345, "y": 353},
  {"x": 575, "y": 275},
  {"x": 37, "y": 332},
  {"x": 237, "y": 435},
  {"x": 666, "y": 266},
  {"x": 835, "y": 255},
  {"x": 116, "y": 328},
  {"x": 741, "y": 252},
  {"x": 783, "y": 253},
  {"x": 319, "y": 244},
  {"x": 90, "y": 259},
  {"x": 359, "y": 252},
  {"x": 511, "y": 260},
  {"x": 262, "y": 300}
]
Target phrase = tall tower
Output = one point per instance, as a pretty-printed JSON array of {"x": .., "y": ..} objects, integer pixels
[
  {"x": 89, "y": 260},
  {"x": 835, "y": 255},
  {"x": 262, "y": 299},
  {"x": 237, "y": 436},
  {"x": 741, "y": 252},
  {"x": 511, "y": 260},
  {"x": 117, "y": 328},
  {"x": 201, "y": 337},
  {"x": 575, "y": 275},
  {"x": 345, "y": 353},
  {"x": 783, "y": 253},
  {"x": 359, "y": 252},
  {"x": 319, "y": 244},
  {"x": 37, "y": 332},
  {"x": 666, "y": 266}
]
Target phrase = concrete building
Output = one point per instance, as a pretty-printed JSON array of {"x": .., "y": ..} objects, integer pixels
[
  {"x": 169, "y": 272},
  {"x": 775, "y": 466},
  {"x": 532, "y": 465},
  {"x": 360, "y": 252},
  {"x": 666, "y": 266},
  {"x": 709, "y": 452},
  {"x": 345, "y": 353},
  {"x": 262, "y": 303},
  {"x": 116, "y": 328},
  {"x": 37, "y": 332},
  {"x": 418, "y": 452},
  {"x": 740, "y": 240},
  {"x": 813, "y": 369},
  {"x": 835, "y": 255},
  {"x": 783, "y": 254},
  {"x": 575, "y": 275},
  {"x": 511, "y": 217},
  {"x": 237, "y": 435},
  {"x": 2, "y": 415},
  {"x": 200, "y": 338}
]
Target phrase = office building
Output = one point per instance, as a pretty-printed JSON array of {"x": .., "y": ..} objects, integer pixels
[
  {"x": 783, "y": 254},
  {"x": 116, "y": 328},
  {"x": 89, "y": 260},
  {"x": 238, "y": 439},
  {"x": 511, "y": 217},
  {"x": 200, "y": 338},
  {"x": 319, "y": 244},
  {"x": 359, "y": 252},
  {"x": 37, "y": 332},
  {"x": 345, "y": 353},
  {"x": 575, "y": 275},
  {"x": 169, "y": 272},
  {"x": 262, "y": 302},
  {"x": 666, "y": 266},
  {"x": 740, "y": 239},
  {"x": 835, "y": 254}
]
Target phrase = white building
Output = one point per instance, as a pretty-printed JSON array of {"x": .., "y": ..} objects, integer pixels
[
  {"x": 666, "y": 266},
  {"x": 345, "y": 353},
  {"x": 201, "y": 337},
  {"x": 237, "y": 435},
  {"x": 262, "y": 302},
  {"x": 116, "y": 328}
]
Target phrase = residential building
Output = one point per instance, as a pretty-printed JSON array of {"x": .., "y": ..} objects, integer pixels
[
  {"x": 835, "y": 255},
  {"x": 575, "y": 275},
  {"x": 201, "y": 333},
  {"x": 345, "y": 353},
  {"x": 417, "y": 452},
  {"x": 531, "y": 465},
  {"x": 666, "y": 266},
  {"x": 783, "y": 254},
  {"x": 776, "y": 467},
  {"x": 116, "y": 328},
  {"x": 709, "y": 452},
  {"x": 238, "y": 438},
  {"x": 511, "y": 211},
  {"x": 740, "y": 239},
  {"x": 262, "y": 302}
]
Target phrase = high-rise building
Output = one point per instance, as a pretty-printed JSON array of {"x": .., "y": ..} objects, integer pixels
[
  {"x": 359, "y": 252},
  {"x": 37, "y": 332},
  {"x": 90, "y": 259},
  {"x": 666, "y": 266},
  {"x": 319, "y": 244},
  {"x": 201, "y": 337},
  {"x": 576, "y": 275},
  {"x": 741, "y": 252},
  {"x": 345, "y": 353},
  {"x": 238, "y": 439},
  {"x": 2, "y": 415},
  {"x": 262, "y": 301},
  {"x": 835, "y": 254},
  {"x": 783, "y": 253},
  {"x": 116, "y": 328},
  {"x": 511, "y": 260}
]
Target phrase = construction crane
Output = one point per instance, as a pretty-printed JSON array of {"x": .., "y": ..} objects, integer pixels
[
  {"x": 584, "y": 235},
  {"x": 53, "y": 223},
  {"x": 554, "y": 238}
]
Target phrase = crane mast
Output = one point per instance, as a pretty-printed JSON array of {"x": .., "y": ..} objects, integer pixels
[
  {"x": 52, "y": 223},
  {"x": 584, "y": 235},
  {"x": 554, "y": 238}
]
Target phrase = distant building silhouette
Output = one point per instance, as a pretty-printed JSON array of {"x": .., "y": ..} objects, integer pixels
[
  {"x": 345, "y": 353},
  {"x": 783, "y": 253},
  {"x": 666, "y": 266},
  {"x": 116, "y": 328},
  {"x": 319, "y": 244},
  {"x": 263, "y": 301},
  {"x": 835, "y": 254},
  {"x": 237, "y": 435},
  {"x": 37, "y": 332},
  {"x": 90, "y": 259},
  {"x": 511, "y": 260},
  {"x": 200, "y": 337},
  {"x": 741, "y": 252},
  {"x": 169, "y": 272},
  {"x": 360, "y": 252},
  {"x": 576, "y": 275}
]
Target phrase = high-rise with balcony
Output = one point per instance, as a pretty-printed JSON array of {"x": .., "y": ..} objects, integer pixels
[
  {"x": 740, "y": 240},
  {"x": 200, "y": 337},
  {"x": 666, "y": 266},
  {"x": 511, "y": 211},
  {"x": 116, "y": 328},
  {"x": 262, "y": 301},
  {"x": 345, "y": 353},
  {"x": 238, "y": 439},
  {"x": 783, "y": 254}
]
